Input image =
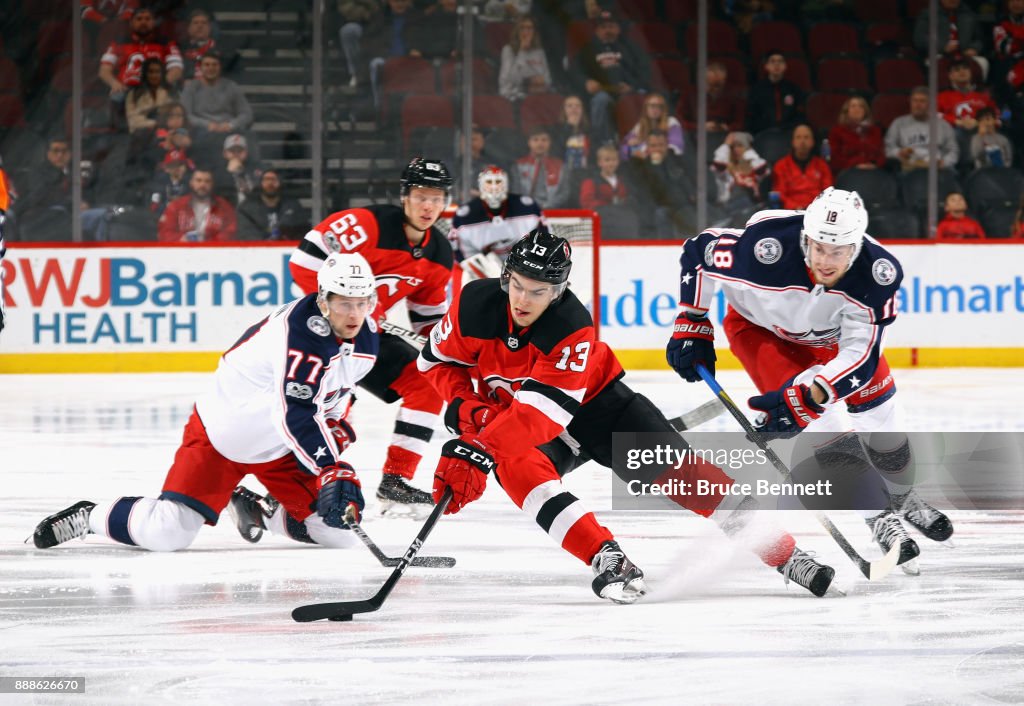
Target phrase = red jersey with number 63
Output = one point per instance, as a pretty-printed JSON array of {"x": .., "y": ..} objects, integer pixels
[
  {"x": 417, "y": 273},
  {"x": 540, "y": 375}
]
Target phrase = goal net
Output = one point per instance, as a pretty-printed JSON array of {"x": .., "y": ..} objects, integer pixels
[{"x": 582, "y": 230}]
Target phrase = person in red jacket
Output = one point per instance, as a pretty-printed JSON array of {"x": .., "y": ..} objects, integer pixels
[
  {"x": 856, "y": 141},
  {"x": 957, "y": 225},
  {"x": 960, "y": 104},
  {"x": 801, "y": 175},
  {"x": 199, "y": 216},
  {"x": 121, "y": 63},
  {"x": 606, "y": 187}
]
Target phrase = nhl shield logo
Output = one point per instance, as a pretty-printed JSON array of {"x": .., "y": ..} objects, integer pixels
[
  {"x": 883, "y": 271},
  {"x": 768, "y": 250},
  {"x": 513, "y": 342},
  {"x": 318, "y": 325}
]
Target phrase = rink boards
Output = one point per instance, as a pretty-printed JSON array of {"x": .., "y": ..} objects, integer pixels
[{"x": 175, "y": 308}]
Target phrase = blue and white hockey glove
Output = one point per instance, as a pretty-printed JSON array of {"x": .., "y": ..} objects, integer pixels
[
  {"x": 339, "y": 488},
  {"x": 692, "y": 342},
  {"x": 785, "y": 412}
]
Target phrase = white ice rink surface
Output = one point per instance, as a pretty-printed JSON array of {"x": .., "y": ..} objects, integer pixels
[{"x": 515, "y": 621}]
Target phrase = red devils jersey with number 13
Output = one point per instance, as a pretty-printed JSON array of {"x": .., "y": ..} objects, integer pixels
[
  {"x": 540, "y": 375},
  {"x": 419, "y": 274}
]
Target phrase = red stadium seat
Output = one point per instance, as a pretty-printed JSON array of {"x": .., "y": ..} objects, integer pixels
[
  {"x": 493, "y": 111},
  {"x": 654, "y": 38},
  {"x": 869, "y": 11},
  {"x": 496, "y": 36},
  {"x": 54, "y": 38},
  {"x": 637, "y": 10},
  {"x": 896, "y": 75},
  {"x": 894, "y": 32},
  {"x": 670, "y": 75},
  {"x": 484, "y": 80},
  {"x": 425, "y": 111},
  {"x": 627, "y": 111},
  {"x": 843, "y": 75},
  {"x": 886, "y": 107},
  {"x": 799, "y": 72},
  {"x": 915, "y": 8},
  {"x": 12, "y": 112},
  {"x": 680, "y": 11},
  {"x": 407, "y": 75},
  {"x": 823, "y": 109},
  {"x": 578, "y": 35},
  {"x": 9, "y": 81},
  {"x": 832, "y": 38},
  {"x": 775, "y": 36},
  {"x": 540, "y": 109},
  {"x": 722, "y": 39}
]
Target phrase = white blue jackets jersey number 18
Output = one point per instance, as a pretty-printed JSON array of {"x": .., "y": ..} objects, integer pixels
[
  {"x": 764, "y": 277},
  {"x": 275, "y": 388}
]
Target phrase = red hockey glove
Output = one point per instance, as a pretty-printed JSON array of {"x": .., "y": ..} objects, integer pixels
[
  {"x": 785, "y": 412},
  {"x": 468, "y": 416},
  {"x": 464, "y": 465},
  {"x": 343, "y": 433},
  {"x": 692, "y": 342},
  {"x": 339, "y": 488}
]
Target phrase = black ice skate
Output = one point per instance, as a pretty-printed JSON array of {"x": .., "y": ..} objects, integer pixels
[
  {"x": 249, "y": 510},
  {"x": 802, "y": 569},
  {"x": 615, "y": 576},
  {"x": 923, "y": 517},
  {"x": 63, "y": 526},
  {"x": 397, "y": 497},
  {"x": 887, "y": 531}
]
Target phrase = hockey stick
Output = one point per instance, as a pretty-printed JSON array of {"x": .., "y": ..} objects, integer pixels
[
  {"x": 705, "y": 413},
  {"x": 344, "y": 610},
  {"x": 433, "y": 562},
  {"x": 410, "y": 336},
  {"x": 872, "y": 570}
]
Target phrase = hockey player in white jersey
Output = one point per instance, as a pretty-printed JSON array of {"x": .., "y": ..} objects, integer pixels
[
  {"x": 276, "y": 409},
  {"x": 486, "y": 227},
  {"x": 810, "y": 295}
]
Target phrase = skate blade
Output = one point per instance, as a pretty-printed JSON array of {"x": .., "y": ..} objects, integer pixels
[
  {"x": 911, "y": 568},
  {"x": 401, "y": 511},
  {"x": 625, "y": 594},
  {"x": 835, "y": 591}
]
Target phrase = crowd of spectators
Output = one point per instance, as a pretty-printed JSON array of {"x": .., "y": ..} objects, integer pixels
[{"x": 579, "y": 80}]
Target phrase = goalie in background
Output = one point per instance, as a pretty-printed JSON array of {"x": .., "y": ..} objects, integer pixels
[{"x": 486, "y": 227}]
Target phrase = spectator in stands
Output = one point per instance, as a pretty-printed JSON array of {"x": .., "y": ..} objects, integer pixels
[
  {"x": 957, "y": 225},
  {"x": 608, "y": 67},
  {"x": 739, "y": 170},
  {"x": 479, "y": 156},
  {"x": 506, "y": 10},
  {"x": 100, "y": 11},
  {"x": 607, "y": 187},
  {"x": 199, "y": 42},
  {"x": 960, "y": 103},
  {"x": 774, "y": 101},
  {"x": 1008, "y": 40},
  {"x": 170, "y": 182},
  {"x": 355, "y": 16},
  {"x": 121, "y": 64},
  {"x": 539, "y": 175},
  {"x": 907, "y": 137},
  {"x": 663, "y": 191},
  {"x": 744, "y": 14},
  {"x": 959, "y": 32},
  {"x": 571, "y": 136},
  {"x": 43, "y": 209},
  {"x": 435, "y": 35},
  {"x": 145, "y": 100},
  {"x": 988, "y": 147},
  {"x": 800, "y": 175},
  {"x": 387, "y": 36},
  {"x": 725, "y": 108},
  {"x": 524, "y": 66},
  {"x": 655, "y": 117},
  {"x": 236, "y": 177},
  {"x": 199, "y": 216},
  {"x": 268, "y": 215},
  {"x": 855, "y": 140},
  {"x": 215, "y": 105}
]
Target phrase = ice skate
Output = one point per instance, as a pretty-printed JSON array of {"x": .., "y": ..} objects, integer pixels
[
  {"x": 615, "y": 576},
  {"x": 930, "y": 522},
  {"x": 802, "y": 569},
  {"x": 397, "y": 498},
  {"x": 63, "y": 526},
  {"x": 249, "y": 510},
  {"x": 887, "y": 531}
]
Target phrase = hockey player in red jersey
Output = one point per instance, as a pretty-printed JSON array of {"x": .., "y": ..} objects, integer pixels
[
  {"x": 810, "y": 295},
  {"x": 412, "y": 262},
  {"x": 544, "y": 385},
  {"x": 276, "y": 409}
]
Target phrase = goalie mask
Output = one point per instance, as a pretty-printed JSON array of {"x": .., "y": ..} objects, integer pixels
[
  {"x": 835, "y": 217},
  {"x": 540, "y": 256},
  {"x": 493, "y": 183}
]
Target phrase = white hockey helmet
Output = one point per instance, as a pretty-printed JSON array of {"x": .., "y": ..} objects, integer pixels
[
  {"x": 348, "y": 275},
  {"x": 835, "y": 217},
  {"x": 493, "y": 183}
]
